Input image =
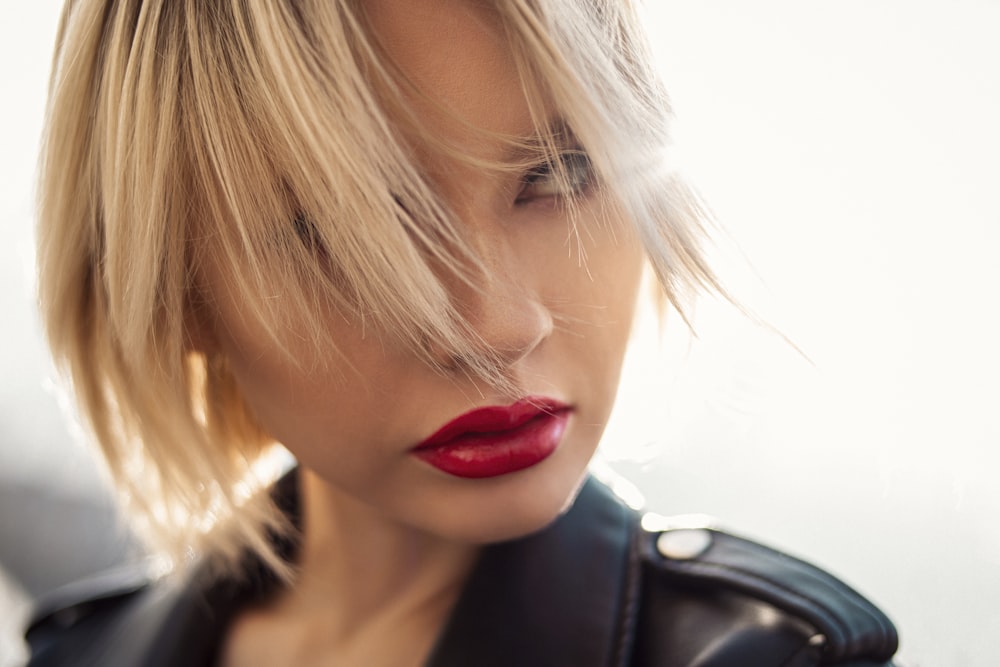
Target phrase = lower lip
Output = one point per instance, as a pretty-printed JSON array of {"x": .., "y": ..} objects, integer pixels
[{"x": 479, "y": 455}]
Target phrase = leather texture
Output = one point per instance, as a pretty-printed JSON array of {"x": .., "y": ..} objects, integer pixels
[{"x": 591, "y": 590}]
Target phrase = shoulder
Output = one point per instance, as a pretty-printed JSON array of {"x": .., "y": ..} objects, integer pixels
[
  {"x": 69, "y": 624},
  {"x": 129, "y": 616},
  {"x": 708, "y": 597}
]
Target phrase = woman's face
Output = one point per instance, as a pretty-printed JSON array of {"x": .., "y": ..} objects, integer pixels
[{"x": 560, "y": 323}]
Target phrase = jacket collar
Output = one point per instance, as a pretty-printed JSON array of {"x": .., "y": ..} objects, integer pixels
[{"x": 564, "y": 596}]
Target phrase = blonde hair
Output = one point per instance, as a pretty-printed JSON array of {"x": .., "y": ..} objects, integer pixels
[{"x": 254, "y": 134}]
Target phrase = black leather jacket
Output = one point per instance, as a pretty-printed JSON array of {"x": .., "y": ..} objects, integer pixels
[{"x": 594, "y": 589}]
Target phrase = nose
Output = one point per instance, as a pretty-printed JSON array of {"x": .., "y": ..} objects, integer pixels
[{"x": 506, "y": 312}]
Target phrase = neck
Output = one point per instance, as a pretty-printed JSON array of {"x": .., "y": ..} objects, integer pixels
[
  {"x": 359, "y": 569},
  {"x": 361, "y": 578}
]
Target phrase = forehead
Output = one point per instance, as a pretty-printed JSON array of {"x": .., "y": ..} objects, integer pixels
[{"x": 455, "y": 54}]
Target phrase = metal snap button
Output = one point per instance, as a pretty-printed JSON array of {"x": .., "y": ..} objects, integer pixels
[{"x": 683, "y": 544}]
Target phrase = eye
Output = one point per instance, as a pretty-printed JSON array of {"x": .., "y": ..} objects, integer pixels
[
  {"x": 570, "y": 177},
  {"x": 307, "y": 233},
  {"x": 310, "y": 238}
]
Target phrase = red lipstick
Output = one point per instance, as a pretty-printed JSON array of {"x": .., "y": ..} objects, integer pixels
[{"x": 496, "y": 440}]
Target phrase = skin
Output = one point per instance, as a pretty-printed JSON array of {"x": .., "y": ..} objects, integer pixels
[{"x": 388, "y": 539}]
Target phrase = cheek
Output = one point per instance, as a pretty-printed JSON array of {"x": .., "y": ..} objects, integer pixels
[
  {"x": 615, "y": 268},
  {"x": 619, "y": 291},
  {"x": 290, "y": 393},
  {"x": 322, "y": 415},
  {"x": 596, "y": 308}
]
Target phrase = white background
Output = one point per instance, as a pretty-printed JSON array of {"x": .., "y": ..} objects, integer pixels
[{"x": 851, "y": 152}]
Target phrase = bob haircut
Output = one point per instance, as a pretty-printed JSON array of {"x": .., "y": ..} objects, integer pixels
[{"x": 147, "y": 172}]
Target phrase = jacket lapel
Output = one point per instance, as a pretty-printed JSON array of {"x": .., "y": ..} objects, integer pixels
[{"x": 563, "y": 596}]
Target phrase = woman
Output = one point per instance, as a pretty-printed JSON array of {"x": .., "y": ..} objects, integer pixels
[{"x": 404, "y": 241}]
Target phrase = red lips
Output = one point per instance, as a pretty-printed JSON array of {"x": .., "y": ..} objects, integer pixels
[{"x": 497, "y": 440}]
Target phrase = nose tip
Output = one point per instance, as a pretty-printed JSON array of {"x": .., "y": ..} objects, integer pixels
[
  {"x": 512, "y": 321},
  {"x": 508, "y": 319}
]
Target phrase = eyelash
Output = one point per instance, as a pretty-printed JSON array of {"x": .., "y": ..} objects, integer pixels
[{"x": 572, "y": 178}]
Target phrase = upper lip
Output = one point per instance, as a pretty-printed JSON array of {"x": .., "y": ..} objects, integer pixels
[{"x": 493, "y": 419}]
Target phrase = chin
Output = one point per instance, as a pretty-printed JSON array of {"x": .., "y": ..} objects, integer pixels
[{"x": 516, "y": 505}]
